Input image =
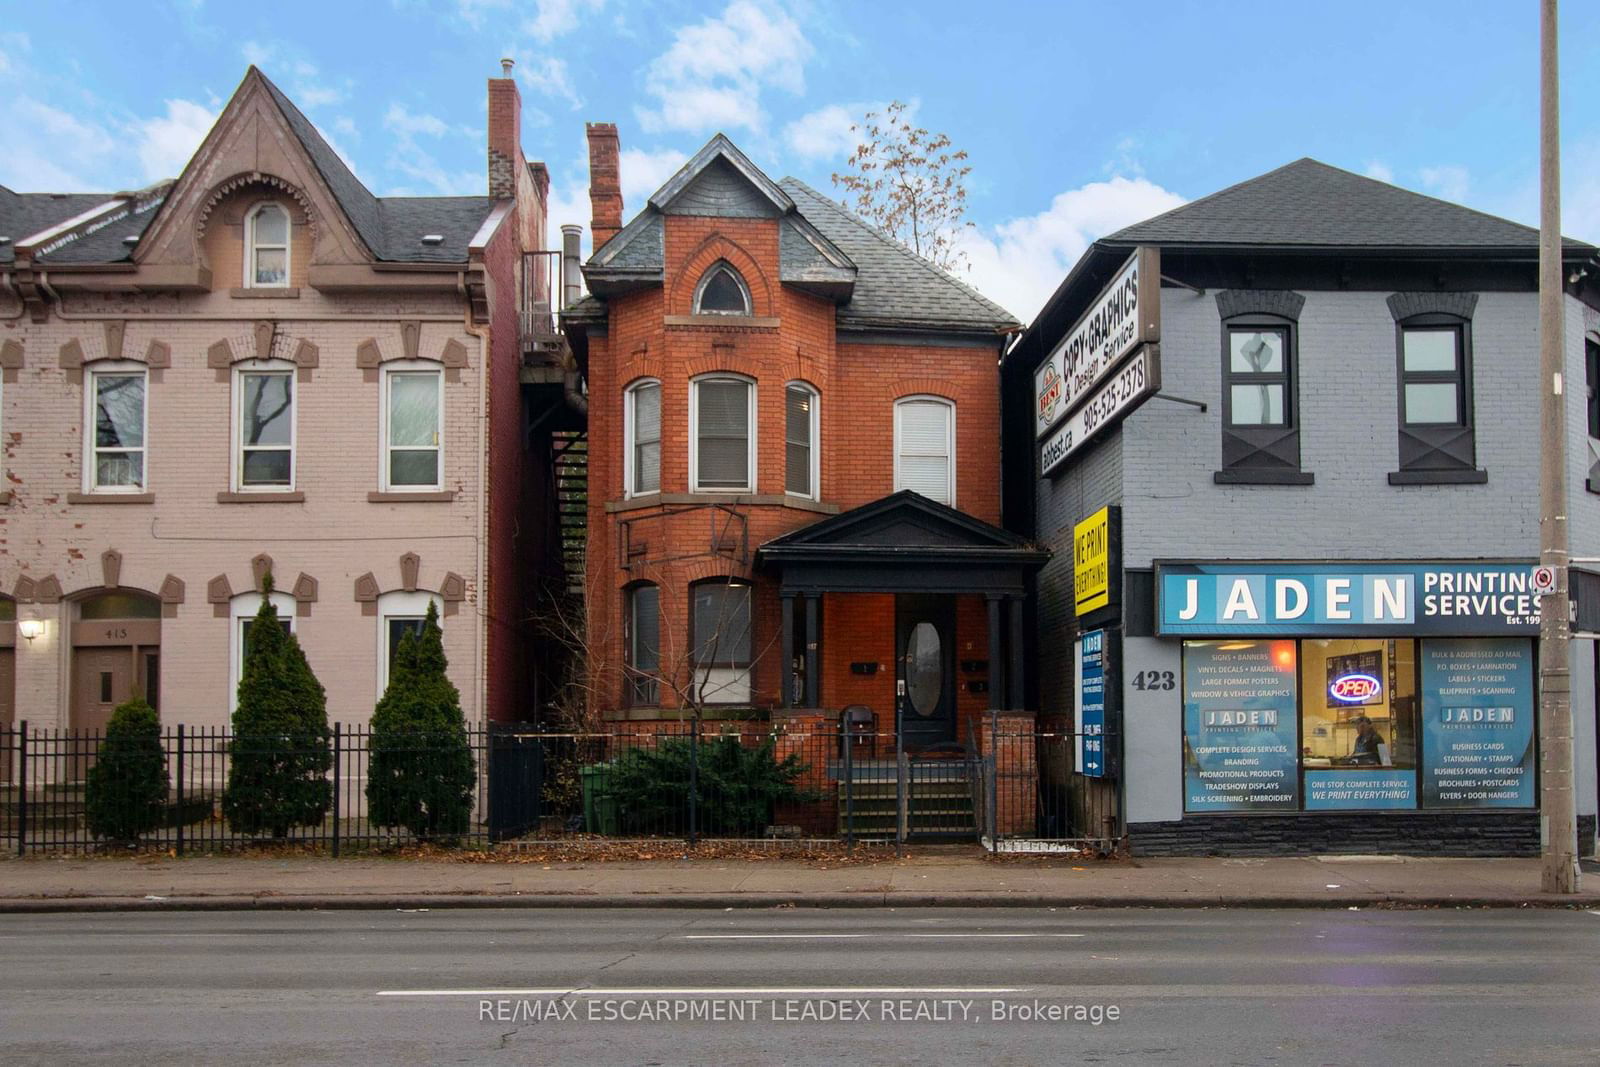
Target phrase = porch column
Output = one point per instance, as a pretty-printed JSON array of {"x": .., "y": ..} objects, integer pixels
[
  {"x": 812, "y": 606},
  {"x": 1014, "y": 672},
  {"x": 997, "y": 666},
  {"x": 786, "y": 675}
]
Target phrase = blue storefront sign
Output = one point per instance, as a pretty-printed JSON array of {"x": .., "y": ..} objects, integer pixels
[
  {"x": 1477, "y": 726},
  {"x": 1353, "y": 790},
  {"x": 1092, "y": 703},
  {"x": 1346, "y": 599},
  {"x": 1239, "y": 727}
]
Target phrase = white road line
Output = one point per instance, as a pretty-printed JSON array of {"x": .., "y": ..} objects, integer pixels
[
  {"x": 768, "y": 937},
  {"x": 994, "y": 935},
  {"x": 754, "y": 991}
]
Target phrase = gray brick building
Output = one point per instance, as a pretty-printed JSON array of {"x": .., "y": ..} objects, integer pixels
[{"x": 1367, "y": 359}]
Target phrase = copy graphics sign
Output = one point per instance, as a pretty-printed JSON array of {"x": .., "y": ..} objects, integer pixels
[
  {"x": 1135, "y": 381},
  {"x": 1125, "y": 315},
  {"x": 1090, "y": 659},
  {"x": 1239, "y": 726},
  {"x": 1477, "y": 724},
  {"x": 1347, "y": 599}
]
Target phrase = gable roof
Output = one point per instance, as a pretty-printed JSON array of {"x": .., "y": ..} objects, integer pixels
[
  {"x": 877, "y": 282},
  {"x": 1309, "y": 204},
  {"x": 391, "y": 228}
]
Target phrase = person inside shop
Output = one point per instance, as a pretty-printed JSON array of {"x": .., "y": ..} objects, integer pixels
[{"x": 1366, "y": 751}]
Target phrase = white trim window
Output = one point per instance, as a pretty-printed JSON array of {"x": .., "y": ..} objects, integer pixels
[
  {"x": 400, "y": 613},
  {"x": 800, "y": 432},
  {"x": 722, "y": 434},
  {"x": 266, "y": 247},
  {"x": 116, "y": 422},
  {"x": 263, "y": 426},
  {"x": 641, "y": 419},
  {"x": 241, "y": 616},
  {"x": 925, "y": 447},
  {"x": 413, "y": 427},
  {"x": 722, "y": 291},
  {"x": 720, "y": 633}
]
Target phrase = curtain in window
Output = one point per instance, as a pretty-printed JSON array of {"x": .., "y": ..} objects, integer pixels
[
  {"x": 925, "y": 448},
  {"x": 724, "y": 434},
  {"x": 414, "y": 428}
]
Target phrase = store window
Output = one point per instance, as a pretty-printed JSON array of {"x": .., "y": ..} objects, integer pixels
[
  {"x": 1260, "y": 409},
  {"x": 720, "y": 637},
  {"x": 1358, "y": 724}
]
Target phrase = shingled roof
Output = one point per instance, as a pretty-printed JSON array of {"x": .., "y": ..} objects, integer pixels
[
  {"x": 877, "y": 282},
  {"x": 392, "y": 228},
  {"x": 1309, "y": 204}
]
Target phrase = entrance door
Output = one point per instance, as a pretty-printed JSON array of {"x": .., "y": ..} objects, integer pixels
[
  {"x": 102, "y": 678},
  {"x": 925, "y": 669}
]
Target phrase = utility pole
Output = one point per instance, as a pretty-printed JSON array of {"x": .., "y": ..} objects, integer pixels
[{"x": 1557, "y": 814}]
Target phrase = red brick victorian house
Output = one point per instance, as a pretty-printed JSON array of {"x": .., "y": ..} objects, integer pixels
[{"x": 794, "y": 464}]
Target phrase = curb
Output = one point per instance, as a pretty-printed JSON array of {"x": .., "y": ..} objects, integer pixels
[{"x": 748, "y": 901}]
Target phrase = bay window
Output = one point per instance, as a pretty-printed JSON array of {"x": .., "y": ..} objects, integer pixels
[
  {"x": 722, "y": 417},
  {"x": 800, "y": 440},
  {"x": 642, "y": 438}
]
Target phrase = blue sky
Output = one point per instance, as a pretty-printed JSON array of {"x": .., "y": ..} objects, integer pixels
[{"x": 1079, "y": 117}]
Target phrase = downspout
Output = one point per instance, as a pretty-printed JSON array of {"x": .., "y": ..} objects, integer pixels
[
  {"x": 571, "y": 383},
  {"x": 8, "y": 286},
  {"x": 482, "y": 333}
]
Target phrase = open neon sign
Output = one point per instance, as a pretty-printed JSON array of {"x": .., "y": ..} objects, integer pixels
[{"x": 1355, "y": 688}]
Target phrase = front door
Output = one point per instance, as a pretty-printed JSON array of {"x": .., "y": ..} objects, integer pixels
[
  {"x": 102, "y": 678},
  {"x": 925, "y": 669}
]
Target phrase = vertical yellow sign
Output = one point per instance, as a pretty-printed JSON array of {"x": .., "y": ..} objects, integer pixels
[{"x": 1091, "y": 562}]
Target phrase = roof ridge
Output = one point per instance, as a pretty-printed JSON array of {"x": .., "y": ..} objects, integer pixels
[
  {"x": 937, "y": 271},
  {"x": 1208, "y": 197},
  {"x": 1412, "y": 192}
]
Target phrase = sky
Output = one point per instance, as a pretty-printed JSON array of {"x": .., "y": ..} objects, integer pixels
[{"x": 1079, "y": 118}]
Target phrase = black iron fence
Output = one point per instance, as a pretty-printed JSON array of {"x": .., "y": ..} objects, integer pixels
[
  {"x": 1014, "y": 789},
  {"x": 51, "y": 798}
]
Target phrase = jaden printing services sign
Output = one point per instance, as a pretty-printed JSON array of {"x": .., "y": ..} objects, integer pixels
[
  {"x": 1125, "y": 315},
  {"x": 1348, "y": 599}
]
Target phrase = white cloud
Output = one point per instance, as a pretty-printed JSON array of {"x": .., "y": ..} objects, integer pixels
[
  {"x": 826, "y": 133},
  {"x": 1448, "y": 181},
  {"x": 713, "y": 74},
  {"x": 642, "y": 172},
  {"x": 399, "y": 119},
  {"x": 428, "y": 177},
  {"x": 46, "y": 148},
  {"x": 10, "y": 45},
  {"x": 550, "y": 77},
  {"x": 305, "y": 84},
  {"x": 569, "y": 202},
  {"x": 1380, "y": 170},
  {"x": 167, "y": 142},
  {"x": 472, "y": 12},
  {"x": 557, "y": 17},
  {"x": 1019, "y": 263}
]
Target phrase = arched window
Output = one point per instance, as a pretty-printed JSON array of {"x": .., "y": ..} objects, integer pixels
[
  {"x": 643, "y": 636},
  {"x": 266, "y": 247},
  {"x": 925, "y": 447},
  {"x": 722, "y": 434},
  {"x": 242, "y": 619},
  {"x": 401, "y": 613},
  {"x": 722, "y": 292},
  {"x": 642, "y": 435},
  {"x": 720, "y": 636},
  {"x": 801, "y": 421}
]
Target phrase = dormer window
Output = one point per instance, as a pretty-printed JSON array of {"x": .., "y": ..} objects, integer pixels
[
  {"x": 722, "y": 292},
  {"x": 266, "y": 248}
]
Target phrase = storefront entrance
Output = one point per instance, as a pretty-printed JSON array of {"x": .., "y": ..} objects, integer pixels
[{"x": 926, "y": 669}]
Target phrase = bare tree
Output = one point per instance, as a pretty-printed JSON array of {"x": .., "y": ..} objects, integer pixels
[{"x": 910, "y": 184}]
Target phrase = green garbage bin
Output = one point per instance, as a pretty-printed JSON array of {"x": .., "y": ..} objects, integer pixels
[{"x": 599, "y": 805}]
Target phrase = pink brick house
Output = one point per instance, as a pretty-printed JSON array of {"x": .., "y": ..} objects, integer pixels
[{"x": 262, "y": 367}]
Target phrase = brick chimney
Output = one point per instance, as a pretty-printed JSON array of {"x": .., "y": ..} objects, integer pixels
[
  {"x": 605, "y": 182},
  {"x": 505, "y": 134}
]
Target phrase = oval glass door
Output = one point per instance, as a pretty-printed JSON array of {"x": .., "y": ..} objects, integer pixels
[{"x": 924, "y": 673}]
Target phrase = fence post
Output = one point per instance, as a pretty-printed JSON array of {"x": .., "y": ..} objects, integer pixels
[
  {"x": 994, "y": 781},
  {"x": 178, "y": 811},
  {"x": 694, "y": 779},
  {"x": 902, "y": 793},
  {"x": 22, "y": 789},
  {"x": 338, "y": 732},
  {"x": 849, "y": 783}
]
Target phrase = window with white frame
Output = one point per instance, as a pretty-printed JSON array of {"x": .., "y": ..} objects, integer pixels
[
  {"x": 642, "y": 433},
  {"x": 413, "y": 418},
  {"x": 722, "y": 437},
  {"x": 242, "y": 611},
  {"x": 266, "y": 247},
  {"x": 115, "y": 424},
  {"x": 800, "y": 440},
  {"x": 720, "y": 635},
  {"x": 925, "y": 447},
  {"x": 722, "y": 292},
  {"x": 263, "y": 426},
  {"x": 400, "y": 613}
]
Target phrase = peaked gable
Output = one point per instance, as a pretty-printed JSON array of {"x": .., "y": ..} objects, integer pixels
[
  {"x": 720, "y": 180},
  {"x": 902, "y": 520}
]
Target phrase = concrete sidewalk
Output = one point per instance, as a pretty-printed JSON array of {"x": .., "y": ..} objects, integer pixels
[{"x": 921, "y": 880}]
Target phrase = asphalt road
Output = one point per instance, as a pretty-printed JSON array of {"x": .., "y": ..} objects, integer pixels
[{"x": 799, "y": 986}]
